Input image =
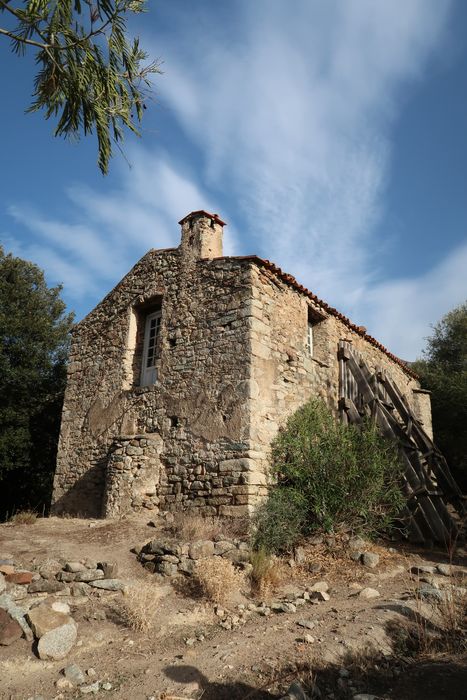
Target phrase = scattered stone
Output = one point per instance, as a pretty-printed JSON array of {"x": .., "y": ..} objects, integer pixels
[
  {"x": 43, "y": 619},
  {"x": 295, "y": 692},
  {"x": 109, "y": 568},
  {"x": 320, "y": 596},
  {"x": 369, "y": 593},
  {"x": 50, "y": 568},
  {"x": 263, "y": 610},
  {"x": 90, "y": 563},
  {"x": 80, "y": 589},
  {"x": 284, "y": 607},
  {"x": 314, "y": 568},
  {"x": 46, "y": 586},
  {"x": 357, "y": 543},
  {"x": 190, "y": 641},
  {"x": 74, "y": 674},
  {"x": 364, "y": 696},
  {"x": 445, "y": 569},
  {"x": 91, "y": 672},
  {"x": 109, "y": 584},
  {"x": 64, "y": 684},
  {"x": 306, "y": 639},
  {"x": 10, "y": 630},
  {"x": 429, "y": 592},
  {"x": 57, "y": 643},
  {"x": 91, "y": 688},
  {"x": 74, "y": 566},
  {"x": 16, "y": 591},
  {"x": 187, "y": 566},
  {"x": 300, "y": 556},
  {"x": 423, "y": 569},
  {"x": 7, "y": 569},
  {"x": 6, "y": 562},
  {"x": 320, "y": 587},
  {"x": 89, "y": 575},
  {"x": 356, "y": 555},
  {"x": 223, "y": 546},
  {"x": 60, "y": 607},
  {"x": 2, "y": 583},
  {"x": 66, "y": 576},
  {"x": 17, "y": 613},
  {"x": 106, "y": 686},
  {"x": 355, "y": 586},
  {"x": 370, "y": 559},
  {"x": 308, "y": 624},
  {"x": 21, "y": 578},
  {"x": 166, "y": 568}
]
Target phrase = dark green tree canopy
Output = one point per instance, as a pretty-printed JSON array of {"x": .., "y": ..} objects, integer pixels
[
  {"x": 443, "y": 370},
  {"x": 90, "y": 75},
  {"x": 34, "y": 339}
]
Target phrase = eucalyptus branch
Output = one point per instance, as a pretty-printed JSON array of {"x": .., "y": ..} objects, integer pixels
[
  {"x": 23, "y": 40},
  {"x": 89, "y": 87}
]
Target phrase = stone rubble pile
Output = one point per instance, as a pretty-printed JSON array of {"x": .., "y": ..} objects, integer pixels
[
  {"x": 35, "y": 604},
  {"x": 170, "y": 559}
]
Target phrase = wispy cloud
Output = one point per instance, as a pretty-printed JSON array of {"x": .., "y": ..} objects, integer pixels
[
  {"x": 105, "y": 233},
  {"x": 404, "y": 309},
  {"x": 295, "y": 119}
]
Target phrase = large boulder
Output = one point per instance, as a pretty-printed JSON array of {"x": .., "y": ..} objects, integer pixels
[
  {"x": 201, "y": 549},
  {"x": 57, "y": 643},
  {"x": 43, "y": 619}
]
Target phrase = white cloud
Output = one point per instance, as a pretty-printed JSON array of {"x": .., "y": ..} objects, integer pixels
[
  {"x": 400, "y": 312},
  {"x": 106, "y": 233}
]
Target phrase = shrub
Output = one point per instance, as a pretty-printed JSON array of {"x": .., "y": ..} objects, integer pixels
[
  {"x": 138, "y": 606},
  {"x": 24, "y": 517},
  {"x": 281, "y": 520},
  {"x": 266, "y": 572},
  {"x": 329, "y": 475},
  {"x": 216, "y": 578}
]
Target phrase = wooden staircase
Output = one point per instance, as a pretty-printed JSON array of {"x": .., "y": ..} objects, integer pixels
[{"x": 435, "y": 504}]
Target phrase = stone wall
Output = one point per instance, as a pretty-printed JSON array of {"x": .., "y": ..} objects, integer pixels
[
  {"x": 285, "y": 376},
  {"x": 199, "y": 406},
  {"x": 232, "y": 365},
  {"x": 132, "y": 476}
]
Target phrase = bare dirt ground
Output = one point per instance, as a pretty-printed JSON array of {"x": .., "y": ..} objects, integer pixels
[{"x": 357, "y": 647}]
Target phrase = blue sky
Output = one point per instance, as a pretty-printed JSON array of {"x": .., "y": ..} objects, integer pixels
[{"x": 331, "y": 135}]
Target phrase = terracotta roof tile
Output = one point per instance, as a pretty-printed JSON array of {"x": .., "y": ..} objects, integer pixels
[{"x": 201, "y": 212}]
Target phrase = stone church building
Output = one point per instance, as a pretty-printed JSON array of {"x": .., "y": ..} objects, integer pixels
[{"x": 180, "y": 378}]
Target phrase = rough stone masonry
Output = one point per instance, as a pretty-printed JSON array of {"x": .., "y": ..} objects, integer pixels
[{"x": 182, "y": 375}]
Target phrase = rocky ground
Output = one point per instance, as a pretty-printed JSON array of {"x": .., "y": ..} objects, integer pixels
[{"x": 345, "y": 619}]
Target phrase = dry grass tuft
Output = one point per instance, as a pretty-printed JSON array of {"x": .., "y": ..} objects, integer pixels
[
  {"x": 137, "y": 607},
  {"x": 189, "y": 528},
  {"x": 216, "y": 579},
  {"x": 267, "y": 573},
  {"x": 24, "y": 517}
]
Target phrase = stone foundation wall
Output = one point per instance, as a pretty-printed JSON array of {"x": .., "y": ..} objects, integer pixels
[{"x": 132, "y": 476}]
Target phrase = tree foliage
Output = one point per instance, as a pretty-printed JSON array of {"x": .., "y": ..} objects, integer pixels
[
  {"x": 90, "y": 75},
  {"x": 329, "y": 475},
  {"x": 443, "y": 370},
  {"x": 34, "y": 337}
]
